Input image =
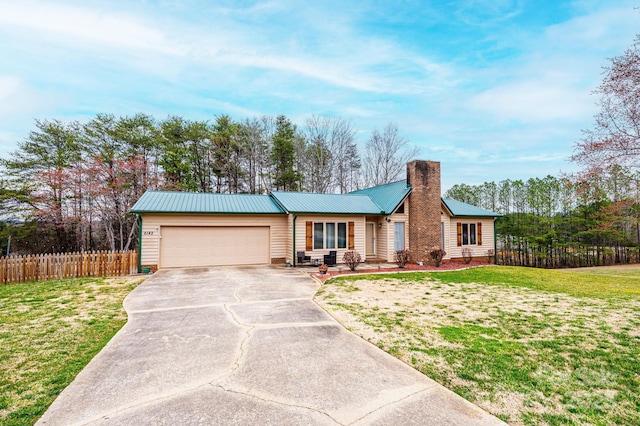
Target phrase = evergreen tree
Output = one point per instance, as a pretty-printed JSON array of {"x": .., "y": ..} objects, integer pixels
[{"x": 285, "y": 175}]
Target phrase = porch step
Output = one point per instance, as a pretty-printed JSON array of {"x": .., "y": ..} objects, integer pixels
[{"x": 375, "y": 260}]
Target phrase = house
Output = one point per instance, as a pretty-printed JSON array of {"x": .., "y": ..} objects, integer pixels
[{"x": 180, "y": 229}]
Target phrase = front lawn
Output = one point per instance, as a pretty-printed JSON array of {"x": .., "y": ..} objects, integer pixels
[
  {"x": 531, "y": 346},
  {"x": 48, "y": 332}
]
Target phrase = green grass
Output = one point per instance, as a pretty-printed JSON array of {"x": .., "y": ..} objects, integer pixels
[
  {"x": 530, "y": 346},
  {"x": 591, "y": 282},
  {"x": 48, "y": 332}
]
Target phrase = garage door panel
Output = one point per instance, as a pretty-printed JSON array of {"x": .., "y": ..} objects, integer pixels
[{"x": 184, "y": 246}]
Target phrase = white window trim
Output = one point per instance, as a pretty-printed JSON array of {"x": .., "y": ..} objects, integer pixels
[
  {"x": 336, "y": 239},
  {"x": 475, "y": 233},
  {"x": 404, "y": 235}
]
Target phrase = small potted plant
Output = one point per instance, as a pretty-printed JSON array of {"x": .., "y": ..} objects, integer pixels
[{"x": 323, "y": 269}]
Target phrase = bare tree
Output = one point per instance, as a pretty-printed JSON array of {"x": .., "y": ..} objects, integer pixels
[
  {"x": 386, "y": 155},
  {"x": 615, "y": 137},
  {"x": 332, "y": 159},
  {"x": 318, "y": 172},
  {"x": 255, "y": 143},
  {"x": 346, "y": 164}
]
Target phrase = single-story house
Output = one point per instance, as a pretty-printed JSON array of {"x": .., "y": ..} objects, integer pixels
[{"x": 182, "y": 229}]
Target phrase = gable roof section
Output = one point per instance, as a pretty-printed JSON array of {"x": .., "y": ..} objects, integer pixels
[
  {"x": 388, "y": 196},
  {"x": 305, "y": 202},
  {"x": 192, "y": 202},
  {"x": 460, "y": 209},
  {"x": 379, "y": 200}
]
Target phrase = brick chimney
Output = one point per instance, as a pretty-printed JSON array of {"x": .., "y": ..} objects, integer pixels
[{"x": 424, "y": 208}]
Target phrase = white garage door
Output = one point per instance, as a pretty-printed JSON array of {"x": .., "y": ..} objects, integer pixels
[{"x": 183, "y": 246}]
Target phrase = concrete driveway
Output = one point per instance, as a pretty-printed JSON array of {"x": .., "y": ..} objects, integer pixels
[{"x": 247, "y": 346}]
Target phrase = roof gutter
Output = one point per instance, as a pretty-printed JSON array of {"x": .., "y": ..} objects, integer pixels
[
  {"x": 294, "y": 256},
  {"x": 139, "y": 243},
  {"x": 495, "y": 242}
]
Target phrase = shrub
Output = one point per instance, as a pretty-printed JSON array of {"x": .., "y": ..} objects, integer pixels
[
  {"x": 467, "y": 255},
  {"x": 352, "y": 259},
  {"x": 437, "y": 256},
  {"x": 402, "y": 257}
]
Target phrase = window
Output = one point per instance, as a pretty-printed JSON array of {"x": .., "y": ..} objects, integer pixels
[
  {"x": 318, "y": 231},
  {"x": 331, "y": 235},
  {"x": 398, "y": 236},
  {"x": 326, "y": 235},
  {"x": 472, "y": 233},
  {"x": 342, "y": 235},
  {"x": 469, "y": 234}
]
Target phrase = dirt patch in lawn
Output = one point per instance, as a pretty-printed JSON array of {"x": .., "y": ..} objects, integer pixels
[{"x": 527, "y": 356}]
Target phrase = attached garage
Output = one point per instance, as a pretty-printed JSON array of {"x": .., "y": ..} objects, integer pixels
[
  {"x": 181, "y": 229},
  {"x": 186, "y": 246}
]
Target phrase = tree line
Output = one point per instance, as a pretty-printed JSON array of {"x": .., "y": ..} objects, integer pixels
[
  {"x": 556, "y": 222},
  {"x": 69, "y": 186}
]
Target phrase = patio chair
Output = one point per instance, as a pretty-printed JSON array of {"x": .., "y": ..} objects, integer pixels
[
  {"x": 330, "y": 259},
  {"x": 302, "y": 258}
]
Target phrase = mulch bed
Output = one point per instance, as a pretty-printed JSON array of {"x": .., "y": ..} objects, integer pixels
[{"x": 409, "y": 267}]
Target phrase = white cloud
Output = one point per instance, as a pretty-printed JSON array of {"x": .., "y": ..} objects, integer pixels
[
  {"x": 534, "y": 101},
  {"x": 539, "y": 158},
  {"x": 9, "y": 86},
  {"x": 19, "y": 105},
  {"x": 84, "y": 25},
  {"x": 334, "y": 54},
  {"x": 554, "y": 76},
  {"x": 18, "y": 99},
  {"x": 487, "y": 12},
  {"x": 600, "y": 30}
]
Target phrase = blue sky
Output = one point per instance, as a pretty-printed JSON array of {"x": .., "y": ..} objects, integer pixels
[{"x": 492, "y": 89}]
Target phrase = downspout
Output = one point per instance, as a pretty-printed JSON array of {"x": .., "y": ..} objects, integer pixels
[
  {"x": 295, "y": 216},
  {"x": 495, "y": 242},
  {"x": 139, "y": 243}
]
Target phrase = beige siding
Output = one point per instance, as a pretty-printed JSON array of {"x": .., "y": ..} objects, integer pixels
[
  {"x": 390, "y": 235},
  {"x": 382, "y": 237},
  {"x": 152, "y": 228},
  {"x": 385, "y": 237},
  {"x": 455, "y": 251},
  {"x": 289, "y": 240},
  {"x": 359, "y": 222},
  {"x": 446, "y": 220}
]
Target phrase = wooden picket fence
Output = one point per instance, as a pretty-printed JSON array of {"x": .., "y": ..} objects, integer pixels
[{"x": 40, "y": 267}]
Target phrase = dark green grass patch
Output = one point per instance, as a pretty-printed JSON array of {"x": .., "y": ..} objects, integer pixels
[
  {"x": 576, "y": 282},
  {"x": 48, "y": 332}
]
